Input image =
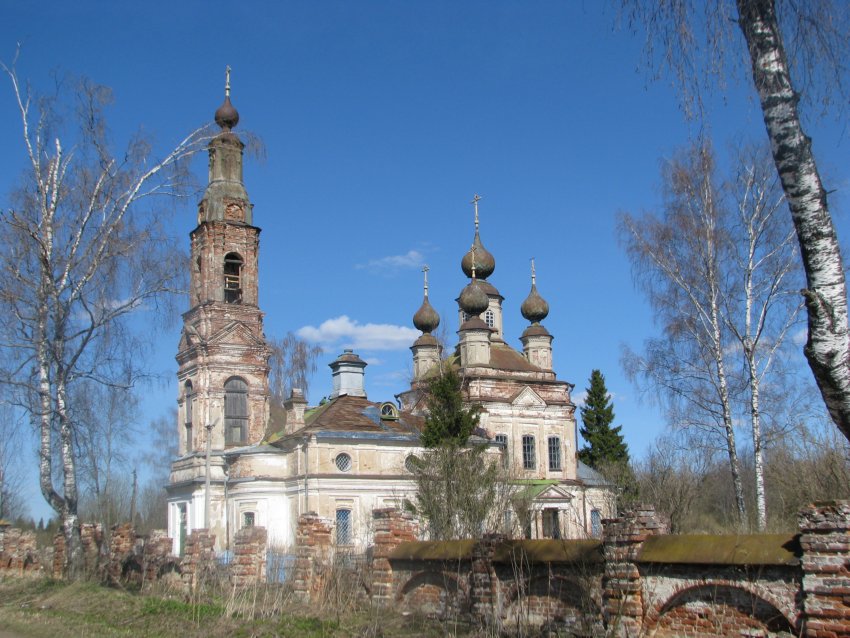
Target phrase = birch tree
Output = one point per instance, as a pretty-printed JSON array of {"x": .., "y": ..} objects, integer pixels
[
  {"x": 797, "y": 53},
  {"x": 677, "y": 261},
  {"x": 729, "y": 254},
  {"x": 292, "y": 363},
  {"x": 761, "y": 281},
  {"x": 85, "y": 252}
]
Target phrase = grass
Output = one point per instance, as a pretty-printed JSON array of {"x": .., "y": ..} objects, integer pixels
[{"x": 44, "y": 608}]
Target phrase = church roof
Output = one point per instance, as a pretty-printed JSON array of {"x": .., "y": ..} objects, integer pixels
[{"x": 348, "y": 415}]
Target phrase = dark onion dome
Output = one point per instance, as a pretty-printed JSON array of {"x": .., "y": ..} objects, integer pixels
[
  {"x": 473, "y": 300},
  {"x": 426, "y": 318},
  {"x": 227, "y": 117},
  {"x": 534, "y": 308},
  {"x": 485, "y": 263}
]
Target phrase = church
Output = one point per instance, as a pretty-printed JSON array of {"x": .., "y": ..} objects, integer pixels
[{"x": 245, "y": 461}]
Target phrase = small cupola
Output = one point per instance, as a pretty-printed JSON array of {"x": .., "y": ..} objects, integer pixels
[
  {"x": 536, "y": 340},
  {"x": 348, "y": 375}
]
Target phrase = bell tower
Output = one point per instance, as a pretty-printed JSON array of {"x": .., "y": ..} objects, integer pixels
[{"x": 223, "y": 357}]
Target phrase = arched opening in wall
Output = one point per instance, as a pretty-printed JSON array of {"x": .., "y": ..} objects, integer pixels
[
  {"x": 235, "y": 411},
  {"x": 188, "y": 397},
  {"x": 490, "y": 318},
  {"x": 719, "y": 609},
  {"x": 233, "y": 278}
]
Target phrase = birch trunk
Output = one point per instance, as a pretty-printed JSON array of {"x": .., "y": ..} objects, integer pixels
[{"x": 828, "y": 347}]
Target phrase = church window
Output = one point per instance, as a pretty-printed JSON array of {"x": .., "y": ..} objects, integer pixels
[
  {"x": 529, "y": 455},
  {"x": 248, "y": 519},
  {"x": 490, "y": 318},
  {"x": 389, "y": 411},
  {"x": 343, "y": 462},
  {"x": 502, "y": 440},
  {"x": 595, "y": 523},
  {"x": 232, "y": 278},
  {"x": 554, "y": 454},
  {"x": 412, "y": 463},
  {"x": 187, "y": 413},
  {"x": 343, "y": 527},
  {"x": 235, "y": 411}
]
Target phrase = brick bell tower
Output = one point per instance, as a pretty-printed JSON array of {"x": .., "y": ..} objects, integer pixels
[{"x": 223, "y": 357}]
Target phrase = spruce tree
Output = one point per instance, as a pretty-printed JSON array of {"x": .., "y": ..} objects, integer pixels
[
  {"x": 448, "y": 422},
  {"x": 605, "y": 445}
]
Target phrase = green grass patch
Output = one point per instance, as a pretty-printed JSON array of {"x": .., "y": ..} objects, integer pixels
[{"x": 191, "y": 611}]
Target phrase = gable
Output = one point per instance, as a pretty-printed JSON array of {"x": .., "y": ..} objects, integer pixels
[
  {"x": 554, "y": 493},
  {"x": 237, "y": 334},
  {"x": 528, "y": 398}
]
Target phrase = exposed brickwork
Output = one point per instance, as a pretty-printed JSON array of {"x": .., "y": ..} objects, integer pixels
[
  {"x": 622, "y": 538},
  {"x": 485, "y": 593},
  {"x": 198, "y": 558},
  {"x": 249, "y": 557},
  {"x": 825, "y": 540},
  {"x": 313, "y": 540},
  {"x": 18, "y": 551},
  {"x": 392, "y": 527}
]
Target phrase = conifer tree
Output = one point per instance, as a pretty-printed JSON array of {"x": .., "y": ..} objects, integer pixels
[
  {"x": 448, "y": 422},
  {"x": 605, "y": 445}
]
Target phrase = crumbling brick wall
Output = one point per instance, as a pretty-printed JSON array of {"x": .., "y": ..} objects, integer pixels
[
  {"x": 313, "y": 540},
  {"x": 825, "y": 541},
  {"x": 637, "y": 581},
  {"x": 249, "y": 557},
  {"x": 18, "y": 551}
]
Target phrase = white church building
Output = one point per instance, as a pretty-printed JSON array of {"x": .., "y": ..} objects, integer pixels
[{"x": 245, "y": 461}]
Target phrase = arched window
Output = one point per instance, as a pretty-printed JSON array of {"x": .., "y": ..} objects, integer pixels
[
  {"x": 490, "y": 318},
  {"x": 232, "y": 278},
  {"x": 529, "y": 455},
  {"x": 235, "y": 411},
  {"x": 187, "y": 413}
]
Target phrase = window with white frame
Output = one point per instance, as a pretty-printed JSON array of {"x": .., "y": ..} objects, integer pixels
[
  {"x": 490, "y": 318},
  {"x": 343, "y": 462},
  {"x": 554, "y": 454},
  {"x": 343, "y": 526},
  {"x": 529, "y": 454}
]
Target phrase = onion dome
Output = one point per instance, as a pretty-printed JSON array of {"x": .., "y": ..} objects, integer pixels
[
  {"x": 426, "y": 318},
  {"x": 473, "y": 300},
  {"x": 226, "y": 116},
  {"x": 484, "y": 264},
  {"x": 534, "y": 308},
  {"x": 478, "y": 260}
]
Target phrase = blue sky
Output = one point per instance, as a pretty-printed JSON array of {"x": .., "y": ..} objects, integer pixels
[{"x": 380, "y": 121}]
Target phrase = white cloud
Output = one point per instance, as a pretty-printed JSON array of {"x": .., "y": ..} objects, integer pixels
[
  {"x": 579, "y": 398},
  {"x": 411, "y": 259},
  {"x": 344, "y": 332},
  {"x": 373, "y": 361}
]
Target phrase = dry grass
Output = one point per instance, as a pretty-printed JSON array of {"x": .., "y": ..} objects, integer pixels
[{"x": 45, "y": 609}]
